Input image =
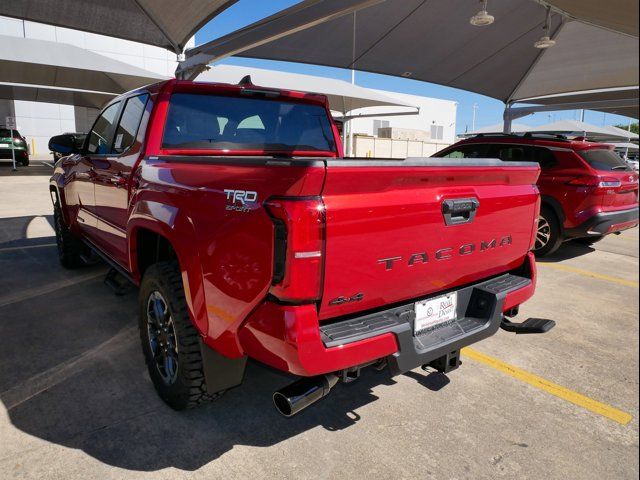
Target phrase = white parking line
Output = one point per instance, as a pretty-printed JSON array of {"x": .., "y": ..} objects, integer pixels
[{"x": 43, "y": 381}]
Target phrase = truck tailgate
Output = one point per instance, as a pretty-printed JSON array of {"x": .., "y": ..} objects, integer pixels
[{"x": 401, "y": 230}]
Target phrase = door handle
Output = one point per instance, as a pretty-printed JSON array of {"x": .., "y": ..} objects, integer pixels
[{"x": 460, "y": 211}]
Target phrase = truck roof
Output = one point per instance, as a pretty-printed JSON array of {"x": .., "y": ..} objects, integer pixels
[{"x": 245, "y": 84}]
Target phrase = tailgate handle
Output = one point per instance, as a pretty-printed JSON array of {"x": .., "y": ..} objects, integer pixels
[{"x": 460, "y": 210}]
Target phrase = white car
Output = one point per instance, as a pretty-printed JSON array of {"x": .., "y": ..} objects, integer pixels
[{"x": 634, "y": 164}]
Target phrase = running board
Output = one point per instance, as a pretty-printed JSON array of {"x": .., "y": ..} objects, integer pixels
[
  {"x": 529, "y": 326},
  {"x": 118, "y": 283}
]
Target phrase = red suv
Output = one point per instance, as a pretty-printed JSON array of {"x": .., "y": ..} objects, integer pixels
[{"x": 587, "y": 190}]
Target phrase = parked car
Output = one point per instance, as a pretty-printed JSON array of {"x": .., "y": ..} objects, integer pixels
[
  {"x": 634, "y": 164},
  {"x": 77, "y": 139},
  {"x": 249, "y": 236},
  {"x": 587, "y": 190},
  {"x": 20, "y": 149}
]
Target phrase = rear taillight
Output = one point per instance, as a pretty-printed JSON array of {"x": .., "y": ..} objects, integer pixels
[
  {"x": 299, "y": 248},
  {"x": 595, "y": 182}
]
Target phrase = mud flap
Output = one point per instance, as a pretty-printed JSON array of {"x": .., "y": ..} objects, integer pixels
[{"x": 221, "y": 373}]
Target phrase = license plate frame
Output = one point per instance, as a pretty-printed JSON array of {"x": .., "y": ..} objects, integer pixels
[{"x": 435, "y": 312}]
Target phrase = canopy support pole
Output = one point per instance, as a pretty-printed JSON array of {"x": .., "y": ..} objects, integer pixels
[{"x": 508, "y": 119}]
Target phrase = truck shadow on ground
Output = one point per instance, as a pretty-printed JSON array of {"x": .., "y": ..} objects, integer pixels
[
  {"x": 567, "y": 251},
  {"x": 72, "y": 373},
  {"x": 16, "y": 231}
]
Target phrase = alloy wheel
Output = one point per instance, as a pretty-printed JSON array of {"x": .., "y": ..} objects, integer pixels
[
  {"x": 162, "y": 337},
  {"x": 544, "y": 233}
]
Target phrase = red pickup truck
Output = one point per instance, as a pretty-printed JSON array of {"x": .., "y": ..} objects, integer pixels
[{"x": 250, "y": 237}]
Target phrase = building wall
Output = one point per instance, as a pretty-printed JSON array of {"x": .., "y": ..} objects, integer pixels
[
  {"x": 39, "y": 121},
  {"x": 375, "y": 147},
  {"x": 433, "y": 113}
]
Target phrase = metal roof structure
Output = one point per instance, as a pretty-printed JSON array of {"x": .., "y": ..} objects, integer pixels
[
  {"x": 343, "y": 96},
  {"x": 433, "y": 41},
  {"x": 25, "y": 61},
  {"x": 163, "y": 23}
]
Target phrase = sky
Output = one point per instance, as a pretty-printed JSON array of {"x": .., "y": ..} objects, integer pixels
[{"x": 489, "y": 111}]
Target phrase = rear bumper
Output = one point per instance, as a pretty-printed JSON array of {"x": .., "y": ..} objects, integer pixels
[
  {"x": 291, "y": 339},
  {"x": 604, "y": 223},
  {"x": 5, "y": 154}
]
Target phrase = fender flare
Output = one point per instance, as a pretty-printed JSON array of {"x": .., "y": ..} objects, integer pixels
[
  {"x": 56, "y": 186},
  {"x": 556, "y": 206},
  {"x": 166, "y": 220}
]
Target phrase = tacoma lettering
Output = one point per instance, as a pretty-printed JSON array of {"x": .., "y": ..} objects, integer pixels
[{"x": 449, "y": 253}]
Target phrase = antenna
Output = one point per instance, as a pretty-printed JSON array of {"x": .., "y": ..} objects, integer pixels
[{"x": 245, "y": 81}]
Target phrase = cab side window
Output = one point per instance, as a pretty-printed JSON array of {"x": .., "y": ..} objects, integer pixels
[
  {"x": 468, "y": 151},
  {"x": 99, "y": 142},
  {"x": 127, "y": 130}
]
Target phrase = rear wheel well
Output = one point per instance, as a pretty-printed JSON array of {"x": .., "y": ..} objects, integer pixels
[
  {"x": 151, "y": 248},
  {"x": 555, "y": 207}
]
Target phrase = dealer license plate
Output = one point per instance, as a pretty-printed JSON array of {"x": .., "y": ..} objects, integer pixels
[{"x": 434, "y": 312}]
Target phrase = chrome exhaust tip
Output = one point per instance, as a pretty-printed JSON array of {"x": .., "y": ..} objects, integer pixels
[{"x": 302, "y": 393}]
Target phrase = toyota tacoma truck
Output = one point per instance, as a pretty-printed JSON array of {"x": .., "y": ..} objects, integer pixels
[{"x": 249, "y": 236}]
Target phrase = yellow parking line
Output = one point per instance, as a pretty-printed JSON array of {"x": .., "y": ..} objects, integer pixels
[
  {"x": 27, "y": 247},
  {"x": 627, "y": 239},
  {"x": 540, "y": 383},
  {"x": 587, "y": 273}
]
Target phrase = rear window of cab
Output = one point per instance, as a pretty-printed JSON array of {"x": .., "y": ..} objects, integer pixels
[{"x": 214, "y": 122}]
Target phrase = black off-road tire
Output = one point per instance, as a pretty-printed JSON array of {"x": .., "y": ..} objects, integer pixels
[
  {"x": 555, "y": 239},
  {"x": 70, "y": 248},
  {"x": 25, "y": 162},
  {"x": 188, "y": 389}
]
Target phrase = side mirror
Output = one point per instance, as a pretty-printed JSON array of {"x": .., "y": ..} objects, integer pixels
[{"x": 67, "y": 143}]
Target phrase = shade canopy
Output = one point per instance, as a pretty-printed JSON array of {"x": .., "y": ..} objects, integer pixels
[
  {"x": 618, "y": 15},
  {"x": 39, "y": 93},
  {"x": 627, "y": 146},
  {"x": 163, "y": 23},
  {"x": 617, "y": 101},
  {"x": 622, "y": 133},
  {"x": 433, "y": 41},
  {"x": 606, "y": 134},
  {"x": 52, "y": 64},
  {"x": 343, "y": 96}
]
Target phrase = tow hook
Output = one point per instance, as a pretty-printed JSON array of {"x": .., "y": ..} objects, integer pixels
[{"x": 529, "y": 326}]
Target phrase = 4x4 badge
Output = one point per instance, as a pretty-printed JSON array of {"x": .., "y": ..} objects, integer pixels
[{"x": 358, "y": 297}]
